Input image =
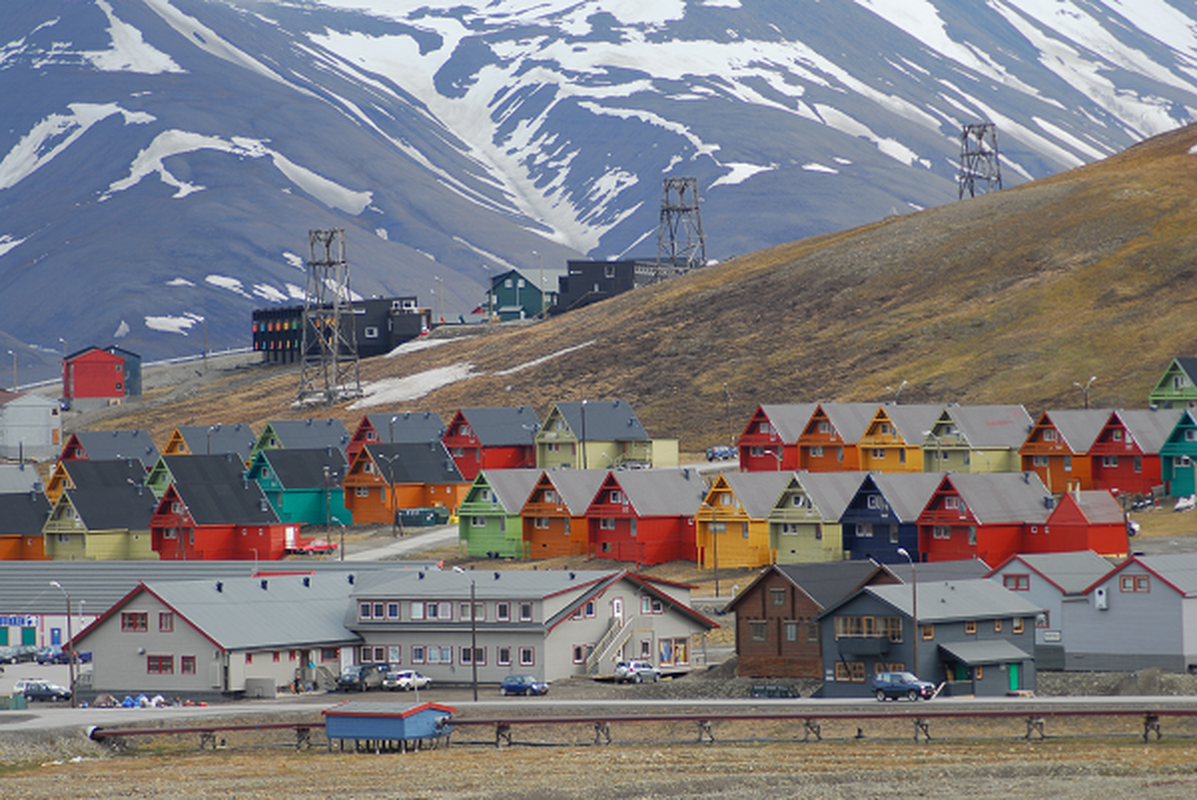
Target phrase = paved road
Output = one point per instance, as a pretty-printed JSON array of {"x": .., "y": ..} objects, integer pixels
[{"x": 403, "y": 546}]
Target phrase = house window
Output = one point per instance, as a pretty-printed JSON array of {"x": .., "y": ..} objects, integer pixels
[
  {"x": 477, "y": 522},
  {"x": 479, "y": 611},
  {"x": 439, "y": 655},
  {"x": 160, "y": 665},
  {"x": 777, "y": 597},
  {"x": 361, "y": 491},
  {"x": 1049, "y": 435},
  {"x": 758, "y": 631},
  {"x": 941, "y": 532},
  {"x": 363, "y": 611},
  {"x": 877, "y": 453},
  {"x": 1017, "y": 583},
  {"x": 1191, "y": 435},
  {"x": 972, "y": 535},
  {"x": 540, "y": 523},
  {"x": 646, "y": 648},
  {"x": 525, "y": 612},
  {"x": 1116, "y": 435},
  {"x": 1038, "y": 461},
  {"x": 970, "y": 626},
  {"x": 790, "y": 631},
  {"x": 417, "y": 609},
  {"x": 527, "y": 656},
  {"x": 479, "y": 656},
  {"x": 503, "y": 612},
  {"x": 816, "y": 451},
  {"x": 1135, "y": 583},
  {"x": 371, "y": 332},
  {"x": 1068, "y": 463},
  {"x": 135, "y": 622},
  {"x": 997, "y": 626},
  {"x": 893, "y": 534},
  {"x": 1138, "y": 464},
  {"x": 928, "y": 632},
  {"x": 166, "y": 622},
  {"x": 392, "y": 611},
  {"x": 249, "y": 658},
  {"x": 824, "y": 426},
  {"x": 503, "y": 654},
  {"x": 417, "y": 654},
  {"x": 615, "y": 498},
  {"x": 1109, "y": 462},
  {"x": 812, "y": 632},
  {"x": 329, "y": 654},
  {"x": 1017, "y": 625},
  {"x": 187, "y": 665},
  {"x": 1043, "y": 620},
  {"x": 579, "y": 654},
  {"x": 606, "y": 523},
  {"x": 873, "y": 501},
  {"x": 590, "y": 609},
  {"x": 951, "y": 503},
  {"x": 864, "y": 531},
  {"x": 1180, "y": 461}
]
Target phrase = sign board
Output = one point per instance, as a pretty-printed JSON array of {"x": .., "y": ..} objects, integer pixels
[
  {"x": 1051, "y": 636},
  {"x": 20, "y": 620}
]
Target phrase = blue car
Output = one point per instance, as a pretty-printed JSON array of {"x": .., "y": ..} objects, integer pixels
[
  {"x": 892, "y": 685},
  {"x": 522, "y": 684}
]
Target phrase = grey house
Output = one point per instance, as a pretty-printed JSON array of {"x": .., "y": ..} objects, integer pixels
[
  {"x": 1141, "y": 614},
  {"x": 1049, "y": 580},
  {"x": 30, "y": 426},
  {"x": 974, "y": 637}
]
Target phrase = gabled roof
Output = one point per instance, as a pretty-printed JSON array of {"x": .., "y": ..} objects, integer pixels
[
  {"x": 661, "y": 492},
  {"x": 429, "y": 462},
  {"x": 237, "y": 438},
  {"x": 511, "y": 486},
  {"x": 1149, "y": 427},
  {"x": 99, "y": 474},
  {"x": 1097, "y": 506},
  {"x": 606, "y": 421},
  {"x": 995, "y": 497},
  {"x": 106, "y": 508},
  {"x": 965, "y": 569},
  {"x": 1186, "y": 364},
  {"x": 829, "y": 492},
  {"x": 23, "y": 513},
  {"x": 1177, "y": 570},
  {"x": 303, "y": 469},
  {"x": 500, "y": 426},
  {"x": 16, "y": 478},
  {"x": 912, "y": 421},
  {"x": 850, "y": 420},
  {"x": 906, "y": 493},
  {"x": 216, "y": 491},
  {"x": 1070, "y": 573},
  {"x": 26, "y": 398},
  {"x": 1078, "y": 428},
  {"x": 789, "y": 420},
  {"x": 408, "y": 426},
  {"x": 985, "y": 651},
  {"x": 109, "y": 445},
  {"x": 306, "y": 434},
  {"x": 990, "y": 426},
  {"x": 577, "y": 487},
  {"x": 824, "y": 583},
  {"x": 947, "y": 601},
  {"x": 758, "y": 492},
  {"x": 438, "y": 584}
]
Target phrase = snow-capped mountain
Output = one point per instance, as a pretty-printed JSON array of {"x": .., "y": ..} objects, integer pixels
[{"x": 161, "y": 161}]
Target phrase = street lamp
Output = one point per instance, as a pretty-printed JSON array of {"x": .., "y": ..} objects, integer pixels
[
  {"x": 938, "y": 450},
  {"x": 395, "y": 417},
  {"x": 70, "y": 637},
  {"x": 540, "y": 258},
  {"x": 584, "y": 462},
  {"x": 713, "y": 527},
  {"x": 395, "y": 503},
  {"x": 775, "y": 454},
  {"x": 1084, "y": 389},
  {"x": 473, "y": 630},
  {"x": 897, "y": 393},
  {"x": 914, "y": 605},
  {"x": 14, "y": 369}
]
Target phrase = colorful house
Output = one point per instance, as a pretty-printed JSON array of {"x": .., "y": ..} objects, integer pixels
[
  {"x": 492, "y": 438},
  {"x": 893, "y": 442},
  {"x": 777, "y": 635},
  {"x": 110, "y": 446},
  {"x": 22, "y": 517},
  {"x": 646, "y": 516},
  {"x": 770, "y": 440},
  {"x": 1081, "y": 520},
  {"x": 604, "y": 434},
  {"x": 976, "y": 439},
  {"x": 732, "y": 523},
  {"x": 512, "y": 296},
  {"x": 301, "y": 434},
  {"x": 804, "y": 525},
  {"x": 1177, "y": 456},
  {"x": 401, "y": 427},
  {"x": 488, "y": 519},
  {"x": 384, "y": 478},
  {"x": 883, "y": 517},
  {"x": 303, "y": 486},
  {"x": 554, "y": 517},
  {"x": 1057, "y": 447},
  {"x": 93, "y": 378},
  {"x": 1176, "y": 387},
  {"x": 114, "y": 473},
  {"x": 1126, "y": 456},
  {"x": 101, "y": 523},
  {"x": 830, "y": 442},
  {"x": 211, "y": 440},
  {"x": 982, "y": 516},
  {"x": 30, "y": 426}
]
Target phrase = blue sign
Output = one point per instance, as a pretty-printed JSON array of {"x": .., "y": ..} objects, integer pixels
[{"x": 19, "y": 620}]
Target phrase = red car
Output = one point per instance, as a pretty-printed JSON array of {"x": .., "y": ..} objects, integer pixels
[{"x": 315, "y": 547}]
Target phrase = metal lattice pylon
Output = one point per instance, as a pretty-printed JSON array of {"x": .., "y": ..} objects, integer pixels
[
  {"x": 979, "y": 162},
  {"x": 329, "y": 355},
  {"x": 680, "y": 240}
]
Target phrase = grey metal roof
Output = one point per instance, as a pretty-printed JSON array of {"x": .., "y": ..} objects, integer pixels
[
  {"x": 427, "y": 462},
  {"x": 306, "y": 434},
  {"x": 913, "y": 421},
  {"x": 106, "y": 508},
  {"x": 500, "y": 426},
  {"x": 25, "y": 585},
  {"x": 1079, "y": 428},
  {"x": 906, "y": 493},
  {"x": 216, "y": 491},
  {"x": 1178, "y": 569},
  {"x": 98, "y": 474},
  {"x": 758, "y": 492},
  {"x": 1003, "y": 496},
  {"x": 830, "y": 492},
  {"x": 1099, "y": 506},
  {"x": 1188, "y": 365},
  {"x": 238, "y": 438},
  {"x": 828, "y": 583},
  {"x": 18, "y": 478},
  {"x": 1150, "y": 427},
  {"x": 577, "y": 487},
  {"x": 990, "y": 426},
  {"x": 1072, "y": 573},
  {"x": 789, "y": 420},
  {"x": 944, "y": 601},
  {"x": 304, "y": 469},
  {"x": 963, "y": 570},
  {"x": 512, "y": 486},
  {"x": 407, "y": 426},
  {"x": 662, "y": 492},
  {"x": 606, "y": 421},
  {"x": 23, "y": 513},
  {"x": 985, "y": 651},
  {"x": 447, "y": 584},
  {"x": 850, "y": 420},
  {"x": 109, "y": 445}
]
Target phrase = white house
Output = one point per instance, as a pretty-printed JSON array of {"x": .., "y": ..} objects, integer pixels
[{"x": 30, "y": 426}]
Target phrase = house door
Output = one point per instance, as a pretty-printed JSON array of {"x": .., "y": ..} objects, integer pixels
[
  {"x": 1012, "y": 671},
  {"x": 617, "y": 608}
]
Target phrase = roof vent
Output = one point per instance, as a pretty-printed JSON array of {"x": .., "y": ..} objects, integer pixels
[
  {"x": 1026, "y": 478},
  {"x": 572, "y": 576},
  {"x": 309, "y": 421},
  {"x": 307, "y": 581},
  {"x": 496, "y": 576},
  {"x": 265, "y": 583},
  {"x": 219, "y": 586},
  {"x": 349, "y": 578},
  {"x": 631, "y": 422},
  {"x": 421, "y": 574}
]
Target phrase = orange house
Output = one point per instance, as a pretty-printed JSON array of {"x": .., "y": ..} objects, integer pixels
[
  {"x": 893, "y": 442},
  {"x": 22, "y": 516},
  {"x": 554, "y": 517},
  {"x": 829, "y": 442},
  {"x": 1057, "y": 448},
  {"x": 384, "y": 478}
]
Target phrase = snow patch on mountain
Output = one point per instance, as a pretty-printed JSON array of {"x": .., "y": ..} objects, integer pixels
[
  {"x": 7, "y": 242},
  {"x": 268, "y": 292},
  {"x": 179, "y": 282},
  {"x": 740, "y": 173},
  {"x": 814, "y": 166},
  {"x": 129, "y": 51},
  {"x": 225, "y": 282},
  {"x": 411, "y": 387},
  {"x": 171, "y": 324}
]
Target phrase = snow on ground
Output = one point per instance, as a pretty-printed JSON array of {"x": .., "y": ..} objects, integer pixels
[
  {"x": 225, "y": 282},
  {"x": 541, "y": 360},
  {"x": 416, "y": 345},
  {"x": 179, "y": 282},
  {"x": 268, "y": 292},
  {"x": 814, "y": 166},
  {"x": 412, "y": 387},
  {"x": 168, "y": 324},
  {"x": 294, "y": 260},
  {"x": 129, "y": 51},
  {"x": 8, "y": 243},
  {"x": 740, "y": 173}
]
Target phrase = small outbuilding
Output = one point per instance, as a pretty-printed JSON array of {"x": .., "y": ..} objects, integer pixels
[{"x": 387, "y": 726}]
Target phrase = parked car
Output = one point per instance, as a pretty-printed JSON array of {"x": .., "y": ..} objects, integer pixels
[
  {"x": 18, "y": 653},
  {"x": 360, "y": 677},
  {"x": 405, "y": 680},
  {"x": 636, "y": 672},
  {"x": 721, "y": 452},
  {"x": 522, "y": 684},
  {"x": 64, "y": 657},
  {"x": 315, "y": 547},
  {"x": 47, "y": 654},
  {"x": 892, "y": 685},
  {"x": 42, "y": 690}
]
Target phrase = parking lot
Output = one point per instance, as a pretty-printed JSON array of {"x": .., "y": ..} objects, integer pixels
[{"x": 54, "y": 673}]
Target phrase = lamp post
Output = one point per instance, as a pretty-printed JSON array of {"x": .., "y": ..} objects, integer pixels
[
  {"x": 776, "y": 455},
  {"x": 713, "y": 527},
  {"x": 393, "y": 418},
  {"x": 938, "y": 450},
  {"x": 584, "y": 462},
  {"x": 914, "y": 606},
  {"x": 395, "y": 503},
  {"x": 70, "y": 637},
  {"x": 897, "y": 393},
  {"x": 14, "y": 369},
  {"x": 540, "y": 259},
  {"x": 473, "y": 630},
  {"x": 1084, "y": 389}
]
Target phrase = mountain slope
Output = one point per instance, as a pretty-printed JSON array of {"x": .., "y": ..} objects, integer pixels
[
  {"x": 163, "y": 160},
  {"x": 1008, "y": 298}
]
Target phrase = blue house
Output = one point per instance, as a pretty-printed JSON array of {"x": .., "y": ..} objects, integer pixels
[
  {"x": 884, "y": 516},
  {"x": 387, "y": 726}
]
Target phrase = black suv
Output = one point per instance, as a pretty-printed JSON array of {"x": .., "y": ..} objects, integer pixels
[
  {"x": 892, "y": 685},
  {"x": 360, "y": 677}
]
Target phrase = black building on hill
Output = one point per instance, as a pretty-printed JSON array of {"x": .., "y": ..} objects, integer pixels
[
  {"x": 381, "y": 325},
  {"x": 587, "y": 282}
]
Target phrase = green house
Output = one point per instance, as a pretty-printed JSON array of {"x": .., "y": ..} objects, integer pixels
[
  {"x": 600, "y": 434},
  {"x": 301, "y": 434},
  {"x": 101, "y": 524},
  {"x": 303, "y": 486},
  {"x": 805, "y": 524},
  {"x": 488, "y": 520},
  {"x": 160, "y": 477},
  {"x": 1177, "y": 387},
  {"x": 1177, "y": 456},
  {"x": 513, "y": 296}
]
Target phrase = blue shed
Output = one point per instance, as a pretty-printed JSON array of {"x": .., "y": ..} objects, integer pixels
[{"x": 380, "y": 726}]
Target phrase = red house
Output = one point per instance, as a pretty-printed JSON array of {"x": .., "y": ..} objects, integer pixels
[
  {"x": 1082, "y": 520},
  {"x": 93, "y": 375},
  {"x": 209, "y": 513},
  {"x": 981, "y": 515},
  {"x": 1126, "y": 455},
  {"x": 770, "y": 441},
  {"x": 646, "y": 516},
  {"x": 492, "y": 438},
  {"x": 401, "y": 427}
]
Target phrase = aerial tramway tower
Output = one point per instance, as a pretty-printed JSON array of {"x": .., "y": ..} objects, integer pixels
[{"x": 329, "y": 371}]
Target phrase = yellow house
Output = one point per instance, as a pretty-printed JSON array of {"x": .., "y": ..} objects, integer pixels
[
  {"x": 893, "y": 441},
  {"x": 192, "y": 440},
  {"x": 732, "y": 525},
  {"x": 977, "y": 439},
  {"x": 805, "y": 523},
  {"x": 101, "y": 524}
]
